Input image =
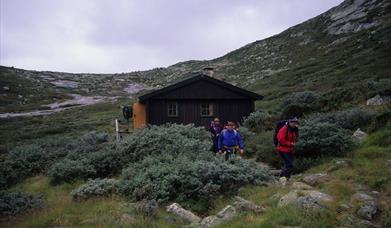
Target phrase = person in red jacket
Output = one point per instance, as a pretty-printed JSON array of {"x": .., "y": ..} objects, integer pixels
[{"x": 287, "y": 137}]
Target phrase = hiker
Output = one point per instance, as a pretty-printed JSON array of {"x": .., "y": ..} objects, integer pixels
[
  {"x": 287, "y": 136},
  {"x": 215, "y": 130},
  {"x": 228, "y": 140}
]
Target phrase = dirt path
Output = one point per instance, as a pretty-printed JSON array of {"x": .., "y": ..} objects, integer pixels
[{"x": 77, "y": 101}]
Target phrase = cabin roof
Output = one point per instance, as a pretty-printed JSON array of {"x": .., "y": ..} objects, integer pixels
[{"x": 197, "y": 78}]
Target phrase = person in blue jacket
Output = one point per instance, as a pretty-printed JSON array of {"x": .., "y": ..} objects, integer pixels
[{"x": 230, "y": 138}]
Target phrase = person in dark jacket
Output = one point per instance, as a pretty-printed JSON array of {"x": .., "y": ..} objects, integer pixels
[
  {"x": 230, "y": 138},
  {"x": 287, "y": 137},
  {"x": 215, "y": 129}
]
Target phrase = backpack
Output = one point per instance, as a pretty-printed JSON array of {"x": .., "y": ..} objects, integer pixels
[
  {"x": 127, "y": 112},
  {"x": 280, "y": 124}
]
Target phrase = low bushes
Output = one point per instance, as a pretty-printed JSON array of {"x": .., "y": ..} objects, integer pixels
[
  {"x": 171, "y": 162},
  {"x": 171, "y": 139},
  {"x": 68, "y": 170},
  {"x": 93, "y": 188},
  {"x": 166, "y": 177},
  {"x": 348, "y": 119},
  {"x": 300, "y": 103},
  {"x": 322, "y": 139},
  {"x": 13, "y": 203},
  {"x": 259, "y": 121},
  {"x": 27, "y": 160}
]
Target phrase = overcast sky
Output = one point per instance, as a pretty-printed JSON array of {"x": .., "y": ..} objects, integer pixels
[{"x": 126, "y": 35}]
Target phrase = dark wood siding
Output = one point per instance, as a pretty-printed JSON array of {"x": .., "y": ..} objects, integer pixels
[
  {"x": 230, "y": 103},
  {"x": 201, "y": 90},
  {"x": 190, "y": 111}
]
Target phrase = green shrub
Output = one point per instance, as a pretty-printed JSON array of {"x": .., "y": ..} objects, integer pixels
[
  {"x": 94, "y": 138},
  {"x": 109, "y": 159},
  {"x": 27, "y": 160},
  {"x": 349, "y": 119},
  {"x": 250, "y": 139},
  {"x": 70, "y": 170},
  {"x": 299, "y": 103},
  {"x": 259, "y": 121},
  {"x": 169, "y": 177},
  {"x": 319, "y": 139},
  {"x": 93, "y": 188},
  {"x": 268, "y": 154},
  {"x": 13, "y": 203},
  {"x": 146, "y": 207},
  {"x": 169, "y": 138}
]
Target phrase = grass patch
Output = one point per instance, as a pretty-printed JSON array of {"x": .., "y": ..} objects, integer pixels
[{"x": 61, "y": 210}]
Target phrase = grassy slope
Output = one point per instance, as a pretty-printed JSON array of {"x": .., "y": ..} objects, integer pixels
[
  {"x": 367, "y": 171},
  {"x": 61, "y": 210},
  {"x": 72, "y": 122},
  {"x": 28, "y": 88}
]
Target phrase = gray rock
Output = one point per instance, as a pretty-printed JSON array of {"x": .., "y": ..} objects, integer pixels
[
  {"x": 245, "y": 205},
  {"x": 305, "y": 199},
  {"x": 301, "y": 186},
  {"x": 362, "y": 197},
  {"x": 65, "y": 84},
  {"x": 367, "y": 211},
  {"x": 275, "y": 172},
  {"x": 308, "y": 203},
  {"x": 187, "y": 215},
  {"x": 359, "y": 135},
  {"x": 6, "y": 88},
  {"x": 316, "y": 178},
  {"x": 224, "y": 215},
  {"x": 368, "y": 205},
  {"x": 228, "y": 212},
  {"x": 378, "y": 100}
]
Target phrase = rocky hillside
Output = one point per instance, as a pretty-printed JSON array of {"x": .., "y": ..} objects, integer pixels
[{"x": 342, "y": 53}]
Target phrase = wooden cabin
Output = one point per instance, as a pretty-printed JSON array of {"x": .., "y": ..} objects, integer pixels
[{"x": 195, "y": 100}]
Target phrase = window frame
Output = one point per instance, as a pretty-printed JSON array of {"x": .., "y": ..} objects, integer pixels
[
  {"x": 171, "y": 109},
  {"x": 210, "y": 109}
]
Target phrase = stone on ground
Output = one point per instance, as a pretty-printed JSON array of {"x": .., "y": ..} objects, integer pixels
[
  {"x": 183, "y": 213},
  {"x": 245, "y": 205},
  {"x": 316, "y": 178}
]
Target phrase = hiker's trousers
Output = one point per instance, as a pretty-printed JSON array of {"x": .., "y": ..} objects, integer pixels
[{"x": 287, "y": 169}]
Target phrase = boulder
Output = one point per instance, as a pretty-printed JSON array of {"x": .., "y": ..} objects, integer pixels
[
  {"x": 245, "y": 205},
  {"x": 275, "y": 172},
  {"x": 316, "y": 178},
  {"x": 367, "y": 205},
  {"x": 301, "y": 186},
  {"x": 367, "y": 211},
  {"x": 362, "y": 197},
  {"x": 359, "y": 135},
  {"x": 338, "y": 164},
  {"x": 378, "y": 100},
  {"x": 224, "y": 215},
  {"x": 181, "y": 212},
  {"x": 305, "y": 199}
]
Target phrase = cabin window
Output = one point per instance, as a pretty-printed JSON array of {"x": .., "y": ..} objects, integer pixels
[
  {"x": 172, "y": 109},
  {"x": 206, "y": 109}
]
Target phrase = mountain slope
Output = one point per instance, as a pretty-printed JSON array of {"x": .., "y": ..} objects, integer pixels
[{"x": 339, "y": 53}]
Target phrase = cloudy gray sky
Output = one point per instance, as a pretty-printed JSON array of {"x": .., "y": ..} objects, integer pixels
[{"x": 126, "y": 35}]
